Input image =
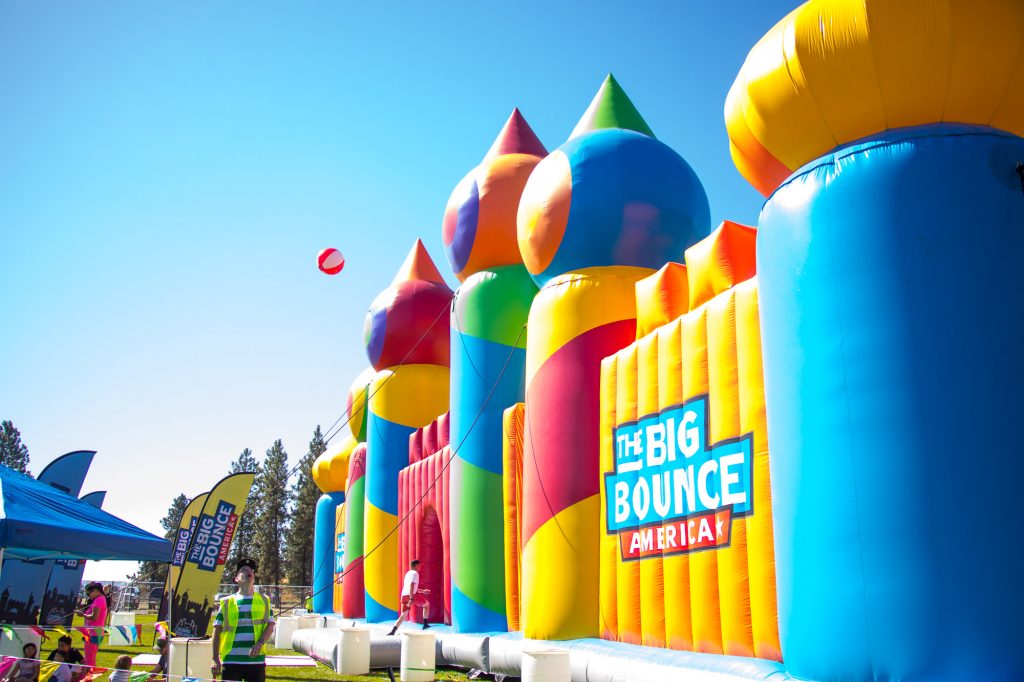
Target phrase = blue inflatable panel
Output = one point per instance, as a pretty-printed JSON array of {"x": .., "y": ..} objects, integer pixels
[
  {"x": 388, "y": 449},
  {"x": 597, "y": 660},
  {"x": 892, "y": 311},
  {"x": 323, "y": 551}
]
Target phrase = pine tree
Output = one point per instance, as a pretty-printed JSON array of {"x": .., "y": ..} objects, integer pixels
[
  {"x": 13, "y": 452},
  {"x": 156, "y": 571},
  {"x": 244, "y": 542},
  {"x": 269, "y": 524},
  {"x": 298, "y": 553}
]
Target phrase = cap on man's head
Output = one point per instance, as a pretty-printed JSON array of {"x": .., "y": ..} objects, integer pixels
[{"x": 250, "y": 563}]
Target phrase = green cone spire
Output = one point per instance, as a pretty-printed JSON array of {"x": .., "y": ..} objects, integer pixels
[{"x": 611, "y": 108}]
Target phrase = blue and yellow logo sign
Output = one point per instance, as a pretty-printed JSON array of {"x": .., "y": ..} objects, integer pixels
[{"x": 671, "y": 492}]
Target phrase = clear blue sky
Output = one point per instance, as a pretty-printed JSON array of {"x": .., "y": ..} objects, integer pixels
[{"x": 169, "y": 171}]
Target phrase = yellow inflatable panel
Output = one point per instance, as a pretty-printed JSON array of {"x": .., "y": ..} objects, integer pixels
[
  {"x": 706, "y": 618},
  {"x": 627, "y": 572},
  {"x": 724, "y": 423},
  {"x": 760, "y": 532},
  {"x": 675, "y": 567},
  {"x": 608, "y": 614},
  {"x": 380, "y": 565},
  {"x": 661, "y": 298},
  {"x": 560, "y": 312},
  {"x": 652, "y": 582},
  {"x": 835, "y": 71},
  {"x": 321, "y": 470},
  {"x": 544, "y": 614},
  {"x": 721, "y": 260},
  {"x": 429, "y": 383},
  {"x": 512, "y": 491},
  {"x": 337, "y": 466}
]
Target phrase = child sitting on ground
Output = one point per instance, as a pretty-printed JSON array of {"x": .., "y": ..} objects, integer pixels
[
  {"x": 26, "y": 668},
  {"x": 122, "y": 669},
  {"x": 63, "y": 671}
]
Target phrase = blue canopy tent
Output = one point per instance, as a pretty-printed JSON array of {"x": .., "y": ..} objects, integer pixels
[{"x": 38, "y": 521}]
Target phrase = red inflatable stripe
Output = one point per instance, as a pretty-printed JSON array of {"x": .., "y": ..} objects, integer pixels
[{"x": 560, "y": 462}]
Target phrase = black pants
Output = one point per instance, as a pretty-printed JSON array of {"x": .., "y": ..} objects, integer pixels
[{"x": 244, "y": 672}]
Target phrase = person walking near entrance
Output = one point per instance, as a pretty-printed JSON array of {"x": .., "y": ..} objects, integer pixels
[
  {"x": 413, "y": 596},
  {"x": 242, "y": 626}
]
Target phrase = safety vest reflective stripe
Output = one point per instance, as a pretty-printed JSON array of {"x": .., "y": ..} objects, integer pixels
[{"x": 229, "y": 605}]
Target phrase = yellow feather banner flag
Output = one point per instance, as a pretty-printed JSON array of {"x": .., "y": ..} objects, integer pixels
[
  {"x": 46, "y": 669},
  {"x": 206, "y": 554},
  {"x": 182, "y": 541}
]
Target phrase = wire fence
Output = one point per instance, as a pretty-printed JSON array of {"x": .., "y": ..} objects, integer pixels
[{"x": 144, "y": 597}]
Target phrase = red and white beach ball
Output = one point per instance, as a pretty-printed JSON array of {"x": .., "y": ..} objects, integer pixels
[{"x": 330, "y": 261}]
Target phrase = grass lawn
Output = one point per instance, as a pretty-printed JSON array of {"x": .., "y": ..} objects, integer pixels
[{"x": 108, "y": 654}]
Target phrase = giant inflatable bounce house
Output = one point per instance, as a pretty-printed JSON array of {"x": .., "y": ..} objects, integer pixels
[{"x": 781, "y": 451}]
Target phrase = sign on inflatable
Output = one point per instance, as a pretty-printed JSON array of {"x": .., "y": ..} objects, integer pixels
[{"x": 669, "y": 489}]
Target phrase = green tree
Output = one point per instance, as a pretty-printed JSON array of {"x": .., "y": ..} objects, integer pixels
[
  {"x": 298, "y": 553},
  {"x": 271, "y": 520},
  {"x": 156, "y": 571},
  {"x": 244, "y": 542},
  {"x": 13, "y": 452}
]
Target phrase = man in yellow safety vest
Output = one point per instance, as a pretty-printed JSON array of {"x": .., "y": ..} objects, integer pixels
[{"x": 244, "y": 623}]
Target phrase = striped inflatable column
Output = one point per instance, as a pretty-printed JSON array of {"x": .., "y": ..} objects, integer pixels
[
  {"x": 760, "y": 531},
  {"x": 576, "y": 320},
  {"x": 330, "y": 473},
  {"x": 488, "y": 358},
  {"x": 355, "y": 404},
  {"x": 348, "y": 592},
  {"x": 352, "y": 602},
  {"x": 323, "y": 551},
  {"x": 407, "y": 342},
  {"x": 603, "y": 210}
]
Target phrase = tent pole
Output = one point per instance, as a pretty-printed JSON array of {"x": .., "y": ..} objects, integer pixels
[{"x": 170, "y": 605}]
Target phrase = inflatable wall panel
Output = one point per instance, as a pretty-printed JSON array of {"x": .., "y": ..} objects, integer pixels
[
  {"x": 686, "y": 532},
  {"x": 512, "y": 498},
  {"x": 423, "y": 500}
]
